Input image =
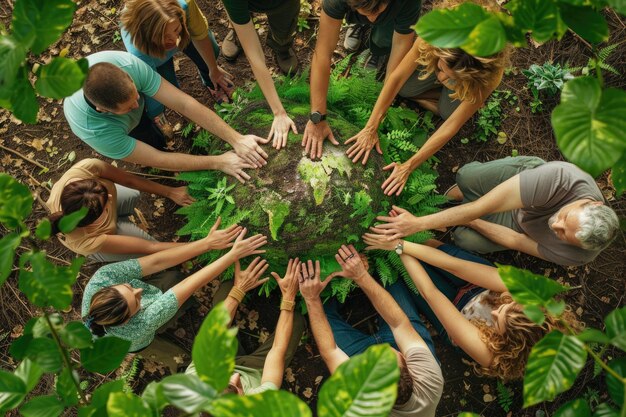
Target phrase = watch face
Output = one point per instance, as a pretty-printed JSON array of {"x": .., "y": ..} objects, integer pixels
[
  {"x": 399, "y": 251},
  {"x": 316, "y": 117}
]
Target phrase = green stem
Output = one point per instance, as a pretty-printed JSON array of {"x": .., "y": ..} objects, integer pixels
[
  {"x": 623, "y": 413},
  {"x": 66, "y": 358},
  {"x": 604, "y": 366},
  {"x": 597, "y": 61}
]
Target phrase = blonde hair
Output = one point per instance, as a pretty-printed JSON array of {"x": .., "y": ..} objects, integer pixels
[
  {"x": 511, "y": 349},
  {"x": 145, "y": 21},
  {"x": 472, "y": 74}
]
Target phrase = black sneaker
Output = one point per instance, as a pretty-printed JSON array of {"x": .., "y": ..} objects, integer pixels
[{"x": 354, "y": 37}]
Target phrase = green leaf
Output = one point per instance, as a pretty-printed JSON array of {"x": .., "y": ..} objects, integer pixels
[
  {"x": 46, "y": 284},
  {"x": 44, "y": 229},
  {"x": 121, "y": 404},
  {"x": 618, "y": 174},
  {"x": 575, "y": 408},
  {"x": 153, "y": 396},
  {"x": 68, "y": 223},
  {"x": 29, "y": 372},
  {"x": 188, "y": 393},
  {"x": 535, "y": 314},
  {"x": 16, "y": 202},
  {"x": 586, "y": 22},
  {"x": 593, "y": 335},
  {"x": 487, "y": 38},
  {"x": 589, "y": 124},
  {"x": 555, "y": 308},
  {"x": 46, "y": 406},
  {"x": 605, "y": 410},
  {"x": 101, "y": 395},
  {"x": 44, "y": 352},
  {"x": 468, "y": 414},
  {"x": 12, "y": 391},
  {"x": 12, "y": 55},
  {"x": 540, "y": 17},
  {"x": 553, "y": 365},
  {"x": 19, "y": 346},
  {"x": 23, "y": 100},
  {"x": 615, "y": 324},
  {"x": 106, "y": 354},
  {"x": 266, "y": 404},
  {"x": 366, "y": 384},
  {"x": 450, "y": 28},
  {"x": 614, "y": 385},
  {"x": 38, "y": 23},
  {"x": 66, "y": 387},
  {"x": 76, "y": 335},
  {"x": 618, "y": 5},
  {"x": 215, "y": 348},
  {"x": 8, "y": 244},
  {"x": 61, "y": 78},
  {"x": 527, "y": 288}
]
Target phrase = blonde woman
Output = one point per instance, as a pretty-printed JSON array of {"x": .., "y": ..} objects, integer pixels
[
  {"x": 465, "y": 299},
  {"x": 449, "y": 82},
  {"x": 155, "y": 30}
]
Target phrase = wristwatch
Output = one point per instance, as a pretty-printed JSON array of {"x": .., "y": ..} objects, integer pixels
[
  {"x": 317, "y": 117},
  {"x": 400, "y": 247}
]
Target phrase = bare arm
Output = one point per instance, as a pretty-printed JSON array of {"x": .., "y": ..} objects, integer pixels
[
  {"x": 506, "y": 237},
  {"x": 400, "y": 46},
  {"x": 219, "y": 77},
  {"x": 132, "y": 244},
  {"x": 460, "y": 330}
]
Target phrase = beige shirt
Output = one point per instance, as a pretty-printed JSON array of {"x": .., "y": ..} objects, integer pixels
[{"x": 88, "y": 239}]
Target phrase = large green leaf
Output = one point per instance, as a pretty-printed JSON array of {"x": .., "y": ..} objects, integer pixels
[
  {"x": 153, "y": 396},
  {"x": 540, "y": 17},
  {"x": 527, "y": 288},
  {"x": 450, "y": 28},
  {"x": 215, "y": 348},
  {"x": 487, "y": 38},
  {"x": 605, "y": 410},
  {"x": 70, "y": 222},
  {"x": 188, "y": 393},
  {"x": 16, "y": 201},
  {"x": 44, "y": 352},
  {"x": 8, "y": 244},
  {"x": 619, "y": 5},
  {"x": 575, "y": 408},
  {"x": 106, "y": 354},
  {"x": 265, "y": 404},
  {"x": 615, "y": 323},
  {"x": 23, "y": 100},
  {"x": 66, "y": 386},
  {"x": 589, "y": 124},
  {"x": 45, "y": 406},
  {"x": 12, "y": 55},
  {"x": 616, "y": 387},
  {"x": 586, "y": 22},
  {"x": 553, "y": 365},
  {"x": 100, "y": 398},
  {"x": 38, "y": 23},
  {"x": 44, "y": 229},
  {"x": 618, "y": 174},
  {"x": 61, "y": 77},
  {"x": 121, "y": 404},
  {"x": 365, "y": 385},
  {"x": 76, "y": 335},
  {"x": 12, "y": 391},
  {"x": 46, "y": 284},
  {"x": 29, "y": 372}
]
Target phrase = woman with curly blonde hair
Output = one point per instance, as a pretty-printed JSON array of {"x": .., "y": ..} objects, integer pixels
[
  {"x": 447, "y": 81},
  {"x": 464, "y": 298}
]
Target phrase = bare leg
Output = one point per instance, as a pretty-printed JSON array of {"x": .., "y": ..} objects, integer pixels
[{"x": 429, "y": 100}]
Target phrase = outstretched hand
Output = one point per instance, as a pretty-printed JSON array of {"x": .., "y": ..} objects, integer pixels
[
  {"x": 314, "y": 136},
  {"x": 180, "y": 196},
  {"x": 250, "y": 246},
  {"x": 248, "y": 148},
  {"x": 310, "y": 284},
  {"x": 364, "y": 141},
  {"x": 248, "y": 279},
  {"x": 221, "y": 239},
  {"x": 352, "y": 266},
  {"x": 397, "y": 180},
  {"x": 289, "y": 284},
  {"x": 280, "y": 130}
]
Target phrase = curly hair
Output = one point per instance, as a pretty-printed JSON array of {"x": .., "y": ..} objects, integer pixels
[
  {"x": 511, "y": 349},
  {"x": 472, "y": 74},
  {"x": 145, "y": 21}
]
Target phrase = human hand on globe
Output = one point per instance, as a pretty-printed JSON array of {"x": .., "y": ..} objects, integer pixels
[
  {"x": 310, "y": 284},
  {"x": 246, "y": 247},
  {"x": 352, "y": 266},
  {"x": 248, "y": 279},
  {"x": 378, "y": 241},
  {"x": 398, "y": 224},
  {"x": 289, "y": 283},
  {"x": 365, "y": 140},
  {"x": 314, "y": 136},
  {"x": 397, "y": 180},
  {"x": 280, "y": 130}
]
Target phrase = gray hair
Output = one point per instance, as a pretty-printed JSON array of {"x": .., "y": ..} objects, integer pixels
[{"x": 598, "y": 226}]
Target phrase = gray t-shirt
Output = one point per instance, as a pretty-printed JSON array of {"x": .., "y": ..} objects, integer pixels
[
  {"x": 544, "y": 191},
  {"x": 427, "y": 384}
]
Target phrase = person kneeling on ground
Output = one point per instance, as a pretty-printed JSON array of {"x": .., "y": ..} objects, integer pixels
[
  {"x": 421, "y": 381},
  {"x": 262, "y": 370},
  {"x": 554, "y": 211},
  {"x": 108, "y": 114},
  {"x": 110, "y": 194},
  {"x": 117, "y": 301}
]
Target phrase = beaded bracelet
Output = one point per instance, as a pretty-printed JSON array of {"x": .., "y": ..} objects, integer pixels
[
  {"x": 287, "y": 305},
  {"x": 237, "y": 294}
]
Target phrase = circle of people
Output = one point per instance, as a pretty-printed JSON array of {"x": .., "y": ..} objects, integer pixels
[{"x": 550, "y": 210}]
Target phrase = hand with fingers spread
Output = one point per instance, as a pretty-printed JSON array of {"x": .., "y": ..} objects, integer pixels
[
  {"x": 221, "y": 239},
  {"x": 248, "y": 279},
  {"x": 399, "y": 224},
  {"x": 289, "y": 284},
  {"x": 397, "y": 180},
  {"x": 280, "y": 130},
  {"x": 248, "y": 148},
  {"x": 352, "y": 267},
  {"x": 364, "y": 141},
  {"x": 180, "y": 196},
  {"x": 246, "y": 247},
  {"x": 310, "y": 284},
  {"x": 314, "y": 136},
  {"x": 233, "y": 165}
]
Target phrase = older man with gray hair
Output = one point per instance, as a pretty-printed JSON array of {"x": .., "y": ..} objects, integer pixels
[{"x": 551, "y": 210}]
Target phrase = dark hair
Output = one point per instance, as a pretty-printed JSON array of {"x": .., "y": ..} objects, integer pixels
[
  {"x": 405, "y": 386},
  {"x": 370, "y": 6},
  {"x": 107, "y": 308},
  {"x": 78, "y": 194},
  {"x": 107, "y": 86}
]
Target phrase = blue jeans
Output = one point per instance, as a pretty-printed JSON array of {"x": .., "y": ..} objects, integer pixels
[
  {"x": 353, "y": 341},
  {"x": 166, "y": 70}
]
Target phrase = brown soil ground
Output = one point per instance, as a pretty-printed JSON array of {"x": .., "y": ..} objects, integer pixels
[{"x": 600, "y": 286}]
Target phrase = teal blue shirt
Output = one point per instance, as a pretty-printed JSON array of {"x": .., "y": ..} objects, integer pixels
[
  {"x": 157, "y": 308},
  {"x": 107, "y": 133}
]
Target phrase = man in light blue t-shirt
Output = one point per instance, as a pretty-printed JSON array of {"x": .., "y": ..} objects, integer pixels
[{"x": 108, "y": 114}]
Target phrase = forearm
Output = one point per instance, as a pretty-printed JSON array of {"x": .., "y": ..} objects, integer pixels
[
  {"x": 231, "y": 305},
  {"x": 210, "y": 121},
  {"x": 184, "y": 289},
  {"x": 146, "y": 186},
  {"x": 135, "y": 245},
  {"x": 383, "y": 302},
  {"x": 320, "y": 78},
  {"x": 159, "y": 261},
  {"x": 148, "y": 156},
  {"x": 322, "y": 332},
  {"x": 420, "y": 278},
  {"x": 275, "y": 362},
  {"x": 432, "y": 145},
  {"x": 205, "y": 49}
]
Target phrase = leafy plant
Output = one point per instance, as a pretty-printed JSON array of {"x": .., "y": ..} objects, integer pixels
[
  {"x": 303, "y": 16},
  {"x": 549, "y": 78},
  {"x": 490, "y": 116},
  {"x": 218, "y": 195},
  {"x": 505, "y": 396}
]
